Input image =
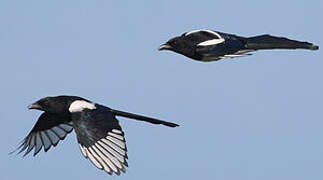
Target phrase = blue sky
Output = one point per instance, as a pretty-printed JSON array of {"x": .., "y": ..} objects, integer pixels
[{"x": 251, "y": 118}]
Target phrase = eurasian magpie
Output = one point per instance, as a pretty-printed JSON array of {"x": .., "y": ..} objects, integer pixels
[
  {"x": 98, "y": 132},
  {"x": 208, "y": 45}
]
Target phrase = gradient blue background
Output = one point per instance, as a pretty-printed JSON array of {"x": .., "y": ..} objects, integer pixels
[{"x": 251, "y": 118}]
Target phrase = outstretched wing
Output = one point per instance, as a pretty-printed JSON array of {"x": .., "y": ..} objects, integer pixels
[
  {"x": 49, "y": 129},
  {"x": 101, "y": 139}
]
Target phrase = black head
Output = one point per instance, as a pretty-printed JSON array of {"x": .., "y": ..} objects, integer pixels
[
  {"x": 57, "y": 104},
  {"x": 180, "y": 44}
]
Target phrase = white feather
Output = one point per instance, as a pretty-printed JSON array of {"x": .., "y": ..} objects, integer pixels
[
  {"x": 97, "y": 157},
  {"x": 235, "y": 55},
  {"x": 115, "y": 147},
  {"x": 107, "y": 155},
  {"x": 211, "y": 42},
  {"x": 80, "y": 105},
  {"x": 116, "y": 136},
  {"x": 114, "y": 160},
  {"x": 83, "y": 150},
  {"x": 120, "y": 157},
  {"x": 204, "y": 30},
  {"x": 105, "y": 161},
  {"x": 117, "y": 131},
  {"x": 93, "y": 160},
  {"x": 121, "y": 144}
]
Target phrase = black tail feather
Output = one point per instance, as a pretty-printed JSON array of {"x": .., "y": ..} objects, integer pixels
[
  {"x": 272, "y": 42},
  {"x": 143, "y": 118}
]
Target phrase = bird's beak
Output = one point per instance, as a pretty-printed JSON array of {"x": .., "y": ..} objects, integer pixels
[
  {"x": 164, "y": 47},
  {"x": 34, "y": 106}
]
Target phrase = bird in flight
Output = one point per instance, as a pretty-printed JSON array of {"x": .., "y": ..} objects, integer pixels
[
  {"x": 208, "y": 45},
  {"x": 98, "y": 132}
]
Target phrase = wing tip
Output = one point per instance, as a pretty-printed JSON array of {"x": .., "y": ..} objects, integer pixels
[
  {"x": 314, "y": 47},
  {"x": 172, "y": 125}
]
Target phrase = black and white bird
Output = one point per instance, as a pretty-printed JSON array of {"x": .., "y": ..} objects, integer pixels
[
  {"x": 208, "y": 45},
  {"x": 98, "y": 132}
]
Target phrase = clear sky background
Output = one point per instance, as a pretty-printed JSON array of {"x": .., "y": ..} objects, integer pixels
[{"x": 252, "y": 118}]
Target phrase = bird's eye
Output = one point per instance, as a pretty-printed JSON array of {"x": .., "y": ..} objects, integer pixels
[
  {"x": 173, "y": 43},
  {"x": 44, "y": 103}
]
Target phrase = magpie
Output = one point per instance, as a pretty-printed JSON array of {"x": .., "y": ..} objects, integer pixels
[
  {"x": 208, "y": 45},
  {"x": 99, "y": 135}
]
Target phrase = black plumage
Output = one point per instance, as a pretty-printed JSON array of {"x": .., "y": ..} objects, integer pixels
[
  {"x": 98, "y": 132},
  {"x": 208, "y": 45}
]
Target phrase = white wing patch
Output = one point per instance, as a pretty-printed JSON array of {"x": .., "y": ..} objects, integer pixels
[
  {"x": 211, "y": 42},
  {"x": 108, "y": 153},
  {"x": 204, "y": 30},
  {"x": 235, "y": 55},
  {"x": 240, "y": 53},
  {"x": 116, "y": 131},
  {"x": 83, "y": 150},
  {"x": 46, "y": 138},
  {"x": 80, "y": 105}
]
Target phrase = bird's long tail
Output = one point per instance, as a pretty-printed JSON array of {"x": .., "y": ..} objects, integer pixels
[
  {"x": 272, "y": 42},
  {"x": 143, "y": 118}
]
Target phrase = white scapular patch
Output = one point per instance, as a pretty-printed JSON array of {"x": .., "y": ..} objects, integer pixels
[
  {"x": 211, "y": 42},
  {"x": 80, "y": 105},
  {"x": 108, "y": 153},
  {"x": 204, "y": 30}
]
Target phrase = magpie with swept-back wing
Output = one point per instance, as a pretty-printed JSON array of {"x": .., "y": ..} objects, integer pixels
[
  {"x": 98, "y": 132},
  {"x": 208, "y": 45}
]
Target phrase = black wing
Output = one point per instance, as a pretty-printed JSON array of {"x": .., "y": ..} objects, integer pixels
[
  {"x": 49, "y": 129},
  {"x": 232, "y": 45},
  {"x": 101, "y": 139}
]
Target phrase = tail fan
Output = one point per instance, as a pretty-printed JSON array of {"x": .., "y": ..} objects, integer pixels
[
  {"x": 143, "y": 118},
  {"x": 272, "y": 42}
]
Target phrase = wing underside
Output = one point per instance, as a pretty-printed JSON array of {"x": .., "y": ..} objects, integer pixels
[{"x": 49, "y": 129}]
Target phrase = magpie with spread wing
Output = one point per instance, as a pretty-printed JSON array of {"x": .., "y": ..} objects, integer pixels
[
  {"x": 208, "y": 45},
  {"x": 98, "y": 132}
]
